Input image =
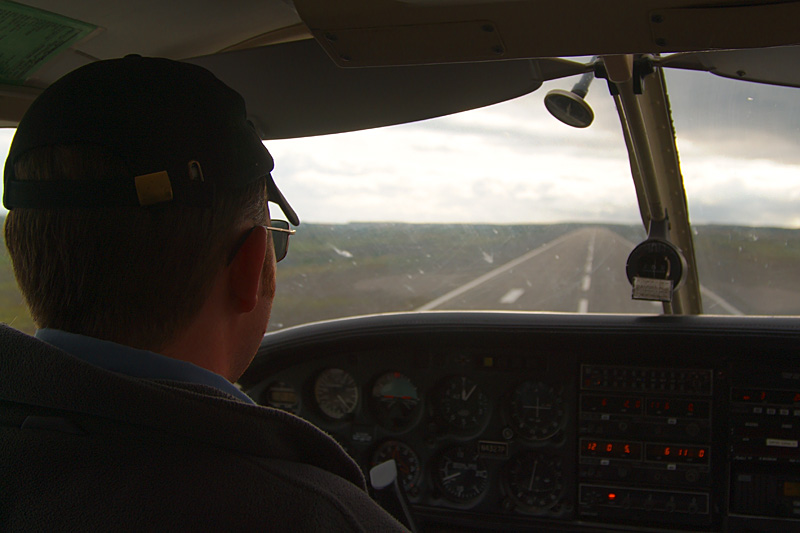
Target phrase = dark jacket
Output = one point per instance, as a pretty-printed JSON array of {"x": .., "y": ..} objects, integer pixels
[{"x": 82, "y": 448}]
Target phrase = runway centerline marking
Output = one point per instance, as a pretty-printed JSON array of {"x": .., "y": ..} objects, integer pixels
[
  {"x": 590, "y": 256},
  {"x": 494, "y": 273},
  {"x": 586, "y": 282},
  {"x": 512, "y": 296}
]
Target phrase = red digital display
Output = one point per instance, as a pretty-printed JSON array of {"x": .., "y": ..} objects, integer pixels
[
  {"x": 612, "y": 404},
  {"x": 677, "y": 408},
  {"x": 611, "y": 449},
  {"x": 670, "y": 453},
  {"x": 780, "y": 397}
]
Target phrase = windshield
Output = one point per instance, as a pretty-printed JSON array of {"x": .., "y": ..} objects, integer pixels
[
  {"x": 738, "y": 144},
  {"x": 506, "y": 208}
]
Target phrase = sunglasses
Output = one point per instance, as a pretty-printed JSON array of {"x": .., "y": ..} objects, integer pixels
[{"x": 280, "y": 238}]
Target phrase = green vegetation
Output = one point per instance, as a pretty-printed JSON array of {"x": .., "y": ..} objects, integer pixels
[
  {"x": 758, "y": 269},
  {"x": 361, "y": 268},
  {"x": 13, "y": 310},
  {"x": 372, "y": 268}
]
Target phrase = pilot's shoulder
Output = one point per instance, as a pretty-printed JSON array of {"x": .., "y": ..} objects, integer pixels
[{"x": 75, "y": 437}]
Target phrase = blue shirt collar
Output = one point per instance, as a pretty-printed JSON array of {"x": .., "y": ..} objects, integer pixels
[{"x": 136, "y": 363}]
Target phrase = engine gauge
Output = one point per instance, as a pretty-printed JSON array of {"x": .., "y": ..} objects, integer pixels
[
  {"x": 463, "y": 405},
  {"x": 534, "y": 481},
  {"x": 282, "y": 396},
  {"x": 536, "y": 410},
  {"x": 461, "y": 474},
  {"x": 395, "y": 401},
  {"x": 408, "y": 471},
  {"x": 336, "y": 393}
]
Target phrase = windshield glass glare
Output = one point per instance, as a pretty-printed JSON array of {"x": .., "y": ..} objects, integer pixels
[
  {"x": 506, "y": 208},
  {"x": 738, "y": 145}
]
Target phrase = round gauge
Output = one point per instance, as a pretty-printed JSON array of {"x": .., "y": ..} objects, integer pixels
[
  {"x": 463, "y": 405},
  {"x": 395, "y": 401},
  {"x": 336, "y": 393},
  {"x": 461, "y": 474},
  {"x": 536, "y": 410},
  {"x": 534, "y": 480},
  {"x": 282, "y": 396},
  {"x": 404, "y": 457}
]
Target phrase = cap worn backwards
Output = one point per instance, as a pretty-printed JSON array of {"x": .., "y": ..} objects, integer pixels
[{"x": 181, "y": 131}]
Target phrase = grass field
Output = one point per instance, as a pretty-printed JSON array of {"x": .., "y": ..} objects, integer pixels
[
  {"x": 362, "y": 268},
  {"x": 13, "y": 310},
  {"x": 756, "y": 269}
]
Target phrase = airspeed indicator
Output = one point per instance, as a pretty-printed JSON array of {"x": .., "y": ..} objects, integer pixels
[
  {"x": 336, "y": 393},
  {"x": 407, "y": 462}
]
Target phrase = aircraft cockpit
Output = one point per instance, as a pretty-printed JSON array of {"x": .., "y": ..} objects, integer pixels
[{"x": 548, "y": 268}]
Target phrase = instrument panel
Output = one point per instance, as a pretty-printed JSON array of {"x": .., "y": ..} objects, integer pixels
[
  {"x": 513, "y": 421},
  {"x": 462, "y": 427}
]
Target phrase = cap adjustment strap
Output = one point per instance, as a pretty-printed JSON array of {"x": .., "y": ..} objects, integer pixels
[{"x": 148, "y": 189}]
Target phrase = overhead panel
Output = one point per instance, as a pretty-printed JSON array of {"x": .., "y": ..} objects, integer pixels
[
  {"x": 358, "y": 33},
  {"x": 726, "y": 26},
  {"x": 775, "y": 66},
  {"x": 414, "y": 44}
]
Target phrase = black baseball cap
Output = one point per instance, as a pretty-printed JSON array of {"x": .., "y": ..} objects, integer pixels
[{"x": 182, "y": 133}]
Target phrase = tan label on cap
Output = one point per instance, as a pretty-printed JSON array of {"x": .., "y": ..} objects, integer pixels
[{"x": 153, "y": 188}]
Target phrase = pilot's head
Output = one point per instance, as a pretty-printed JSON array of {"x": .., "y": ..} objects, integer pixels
[{"x": 131, "y": 184}]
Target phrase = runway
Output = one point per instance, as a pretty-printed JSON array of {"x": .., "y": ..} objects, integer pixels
[{"x": 581, "y": 271}]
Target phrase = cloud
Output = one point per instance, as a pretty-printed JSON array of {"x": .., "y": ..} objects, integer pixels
[
  {"x": 514, "y": 163},
  {"x": 762, "y": 193},
  {"x": 739, "y": 119},
  {"x": 509, "y": 163}
]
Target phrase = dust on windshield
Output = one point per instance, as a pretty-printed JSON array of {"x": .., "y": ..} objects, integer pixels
[{"x": 505, "y": 208}]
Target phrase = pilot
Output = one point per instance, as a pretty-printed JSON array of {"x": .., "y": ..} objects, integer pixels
[{"x": 140, "y": 236}]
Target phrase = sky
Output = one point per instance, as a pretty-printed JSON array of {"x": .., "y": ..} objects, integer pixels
[{"x": 514, "y": 163}]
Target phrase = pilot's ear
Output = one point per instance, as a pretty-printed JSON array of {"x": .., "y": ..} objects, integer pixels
[{"x": 246, "y": 270}]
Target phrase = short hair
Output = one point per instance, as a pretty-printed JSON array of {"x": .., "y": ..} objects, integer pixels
[{"x": 131, "y": 275}]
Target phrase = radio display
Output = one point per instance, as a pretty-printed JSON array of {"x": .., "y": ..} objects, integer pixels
[
  {"x": 781, "y": 397},
  {"x": 612, "y": 404},
  {"x": 669, "y": 453},
  {"x": 677, "y": 408},
  {"x": 791, "y": 489},
  {"x": 611, "y": 449}
]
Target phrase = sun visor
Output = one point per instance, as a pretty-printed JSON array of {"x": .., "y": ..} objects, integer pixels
[{"x": 295, "y": 90}]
